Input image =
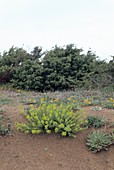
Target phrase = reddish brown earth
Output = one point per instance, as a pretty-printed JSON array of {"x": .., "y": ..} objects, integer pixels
[{"x": 51, "y": 152}]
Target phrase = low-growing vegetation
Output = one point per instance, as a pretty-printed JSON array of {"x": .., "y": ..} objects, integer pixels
[
  {"x": 60, "y": 112},
  {"x": 5, "y": 125},
  {"x": 4, "y": 101},
  {"x": 109, "y": 103},
  {"x": 96, "y": 121},
  {"x": 99, "y": 140},
  {"x": 47, "y": 118},
  {"x": 75, "y": 99}
]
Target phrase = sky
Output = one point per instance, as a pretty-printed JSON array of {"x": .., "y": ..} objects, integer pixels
[{"x": 46, "y": 23}]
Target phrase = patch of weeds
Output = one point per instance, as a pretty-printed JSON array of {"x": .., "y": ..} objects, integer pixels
[
  {"x": 96, "y": 121},
  {"x": 87, "y": 102},
  {"x": 5, "y": 125},
  {"x": 109, "y": 103},
  {"x": 97, "y": 101},
  {"x": 5, "y": 101},
  {"x": 90, "y": 101}
]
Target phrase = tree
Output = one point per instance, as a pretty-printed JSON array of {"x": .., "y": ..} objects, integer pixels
[
  {"x": 111, "y": 69},
  {"x": 28, "y": 76},
  {"x": 9, "y": 60},
  {"x": 14, "y": 57},
  {"x": 37, "y": 53}
]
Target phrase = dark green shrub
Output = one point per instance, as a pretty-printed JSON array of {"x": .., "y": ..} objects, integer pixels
[
  {"x": 6, "y": 74},
  {"x": 61, "y": 68},
  {"x": 96, "y": 121},
  {"x": 28, "y": 76},
  {"x": 46, "y": 118}
]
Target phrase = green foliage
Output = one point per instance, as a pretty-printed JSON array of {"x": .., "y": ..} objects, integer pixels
[
  {"x": 96, "y": 121},
  {"x": 100, "y": 77},
  {"x": 111, "y": 134},
  {"x": 36, "y": 53},
  {"x": 66, "y": 68},
  {"x": 111, "y": 70},
  {"x": 5, "y": 128},
  {"x": 10, "y": 60},
  {"x": 109, "y": 103},
  {"x": 98, "y": 140},
  {"x": 46, "y": 118},
  {"x": 28, "y": 76},
  {"x": 14, "y": 57},
  {"x": 6, "y": 74},
  {"x": 61, "y": 68},
  {"x": 90, "y": 101},
  {"x": 4, "y": 101},
  {"x": 76, "y": 99}
]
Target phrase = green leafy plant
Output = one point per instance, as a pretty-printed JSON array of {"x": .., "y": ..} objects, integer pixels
[
  {"x": 96, "y": 121},
  {"x": 109, "y": 103},
  {"x": 4, "y": 101},
  {"x": 5, "y": 128},
  {"x": 111, "y": 134},
  {"x": 98, "y": 140},
  {"x": 46, "y": 118},
  {"x": 60, "y": 68},
  {"x": 6, "y": 73}
]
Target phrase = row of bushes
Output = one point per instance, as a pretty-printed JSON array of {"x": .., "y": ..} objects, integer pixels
[{"x": 58, "y": 69}]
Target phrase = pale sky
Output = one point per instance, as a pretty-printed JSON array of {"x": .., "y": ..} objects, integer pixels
[{"x": 85, "y": 23}]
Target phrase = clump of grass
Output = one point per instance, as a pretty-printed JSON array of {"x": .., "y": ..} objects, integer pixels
[
  {"x": 96, "y": 121},
  {"x": 5, "y": 125},
  {"x": 5, "y": 101}
]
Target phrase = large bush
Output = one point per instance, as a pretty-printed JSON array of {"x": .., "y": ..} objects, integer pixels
[
  {"x": 11, "y": 60},
  {"x": 61, "y": 68},
  {"x": 28, "y": 76},
  {"x": 68, "y": 67},
  {"x": 6, "y": 74}
]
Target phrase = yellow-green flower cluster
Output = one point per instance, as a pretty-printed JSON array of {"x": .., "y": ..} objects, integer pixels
[
  {"x": 111, "y": 100},
  {"x": 72, "y": 99},
  {"x": 46, "y": 118},
  {"x": 88, "y": 102},
  {"x": 109, "y": 103}
]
